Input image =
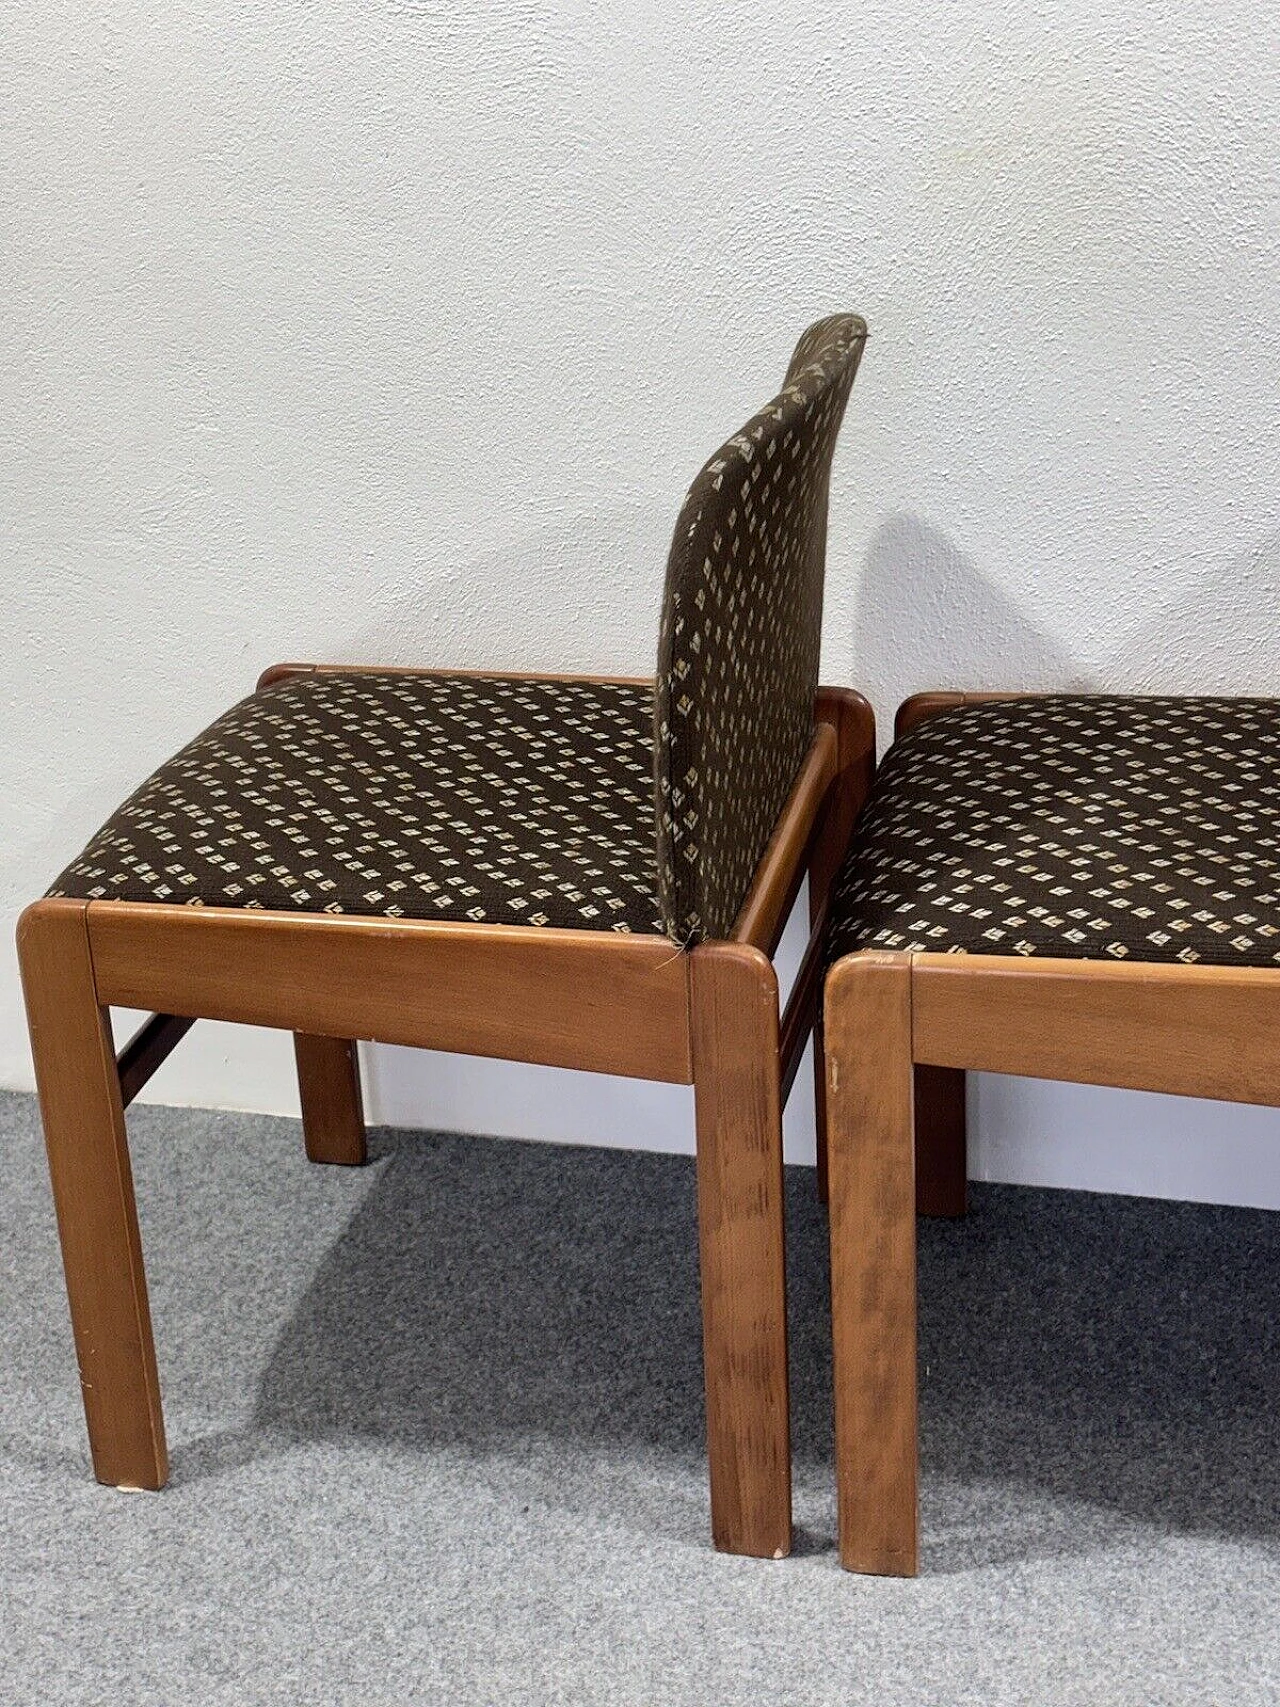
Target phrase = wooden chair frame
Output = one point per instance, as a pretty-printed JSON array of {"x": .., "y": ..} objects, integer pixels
[
  {"x": 901, "y": 1031},
  {"x": 596, "y": 1000}
]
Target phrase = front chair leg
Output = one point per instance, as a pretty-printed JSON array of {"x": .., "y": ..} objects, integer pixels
[
  {"x": 734, "y": 995},
  {"x": 873, "y": 1260},
  {"x": 93, "y": 1195},
  {"x": 332, "y": 1110}
]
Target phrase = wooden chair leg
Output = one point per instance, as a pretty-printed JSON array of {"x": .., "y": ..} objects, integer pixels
[
  {"x": 332, "y": 1110},
  {"x": 873, "y": 1261},
  {"x": 942, "y": 1175},
  {"x": 93, "y": 1194},
  {"x": 741, "y": 1237},
  {"x": 820, "y": 1107}
]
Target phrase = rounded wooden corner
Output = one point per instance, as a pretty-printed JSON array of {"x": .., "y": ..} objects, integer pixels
[
  {"x": 851, "y": 971},
  {"x": 854, "y": 714},
  {"x": 751, "y": 962},
  {"x": 49, "y": 912},
  {"x": 919, "y": 706},
  {"x": 281, "y": 672}
]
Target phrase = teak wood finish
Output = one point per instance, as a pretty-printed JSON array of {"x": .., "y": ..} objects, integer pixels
[
  {"x": 600, "y": 1001},
  {"x": 332, "y": 1108},
  {"x": 901, "y": 1031}
]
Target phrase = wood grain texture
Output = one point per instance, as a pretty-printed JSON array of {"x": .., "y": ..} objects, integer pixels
[
  {"x": 92, "y": 1182},
  {"x": 942, "y": 1173},
  {"x": 924, "y": 705},
  {"x": 1203, "y": 1031},
  {"x": 822, "y": 1177},
  {"x": 597, "y": 1000},
  {"x": 871, "y": 1161},
  {"x": 332, "y": 1107},
  {"x": 854, "y": 722},
  {"x": 784, "y": 861},
  {"x": 734, "y": 1017}
]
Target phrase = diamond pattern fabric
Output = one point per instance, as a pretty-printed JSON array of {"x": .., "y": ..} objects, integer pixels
[
  {"x": 425, "y": 797},
  {"x": 741, "y": 629},
  {"x": 1082, "y": 828}
]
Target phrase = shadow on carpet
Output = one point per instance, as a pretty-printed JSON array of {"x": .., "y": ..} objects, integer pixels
[{"x": 1118, "y": 1355}]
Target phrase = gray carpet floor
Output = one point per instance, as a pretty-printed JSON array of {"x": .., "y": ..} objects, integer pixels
[{"x": 436, "y": 1435}]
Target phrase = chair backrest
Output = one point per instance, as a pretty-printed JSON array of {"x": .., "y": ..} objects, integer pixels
[{"x": 741, "y": 631}]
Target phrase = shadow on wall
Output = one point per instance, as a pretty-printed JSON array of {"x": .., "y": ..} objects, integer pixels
[
  {"x": 536, "y": 1307},
  {"x": 1215, "y": 636},
  {"x": 580, "y": 593},
  {"x": 928, "y": 618}
]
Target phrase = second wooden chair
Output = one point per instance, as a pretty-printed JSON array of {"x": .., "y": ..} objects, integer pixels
[{"x": 1080, "y": 888}]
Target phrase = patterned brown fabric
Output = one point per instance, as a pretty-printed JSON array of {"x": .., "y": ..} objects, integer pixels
[
  {"x": 1083, "y": 828},
  {"x": 741, "y": 628},
  {"x": 422, "y": 797}
]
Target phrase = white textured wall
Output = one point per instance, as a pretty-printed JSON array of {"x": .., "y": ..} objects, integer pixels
[{"x": 394, "y": 333}]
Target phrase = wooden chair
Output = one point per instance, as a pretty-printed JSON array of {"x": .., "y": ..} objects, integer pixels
[
  {"x": 584, "y": 872},
  {"x": 1068, "y": 888}
]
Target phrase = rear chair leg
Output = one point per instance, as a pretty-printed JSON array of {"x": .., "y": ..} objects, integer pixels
[
  {"x": 332, "y": 1111},
  {"x": 93, "y": 1194},
  {"x": 873, "y": 1260},
  {"x": 942, "y": 1184},
  {"x": 734, "y": 995},
  {"x": 820, "y": 1105}
]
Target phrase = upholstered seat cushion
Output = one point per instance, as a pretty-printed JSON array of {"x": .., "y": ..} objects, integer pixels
[
  {"x": 1083, "y": 828},
  {"x": 426, "y": 797}
]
